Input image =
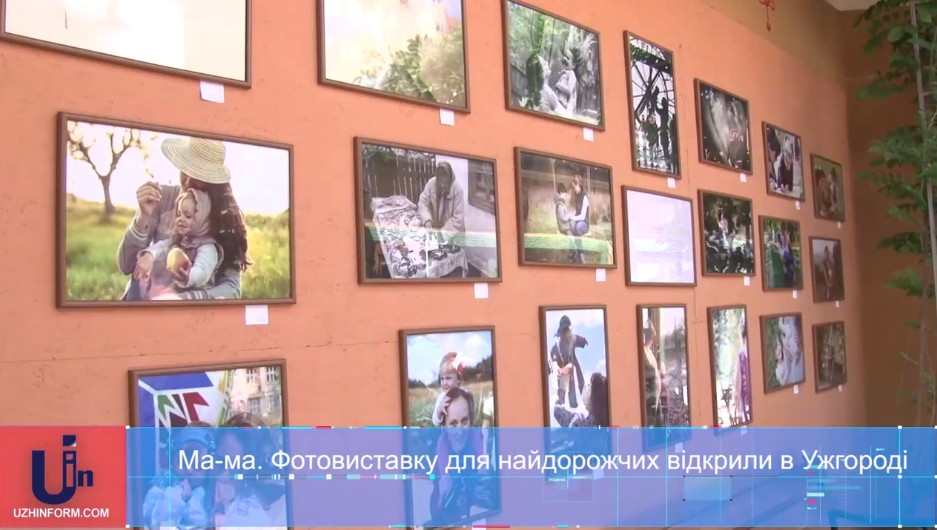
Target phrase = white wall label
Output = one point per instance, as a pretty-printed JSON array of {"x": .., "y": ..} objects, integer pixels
[
  {"x": 671, "y": 182},
  {"x": 481, "y": 290},
  {"x": 743, "y": 177},
  {"x": 447, "y": 117},
  {"x": 600, "y": 275},
  {"x": 213, "y": 92},
  {"x": 588, "y": 134},
  {"x": 746, "y": 281},
  {"x": 256, "y": 315}
]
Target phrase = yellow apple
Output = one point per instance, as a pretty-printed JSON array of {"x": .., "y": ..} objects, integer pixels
[{"x": 176, "y": 260}]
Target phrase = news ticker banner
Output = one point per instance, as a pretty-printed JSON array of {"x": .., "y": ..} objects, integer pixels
[{"x": 193, "y": 477}]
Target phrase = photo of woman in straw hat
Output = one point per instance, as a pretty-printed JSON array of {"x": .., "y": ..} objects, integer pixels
[{"x": 185, "y": 216}]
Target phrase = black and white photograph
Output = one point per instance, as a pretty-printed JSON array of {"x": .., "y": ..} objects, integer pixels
[
  {"x": 553, "y": 66},
  {"x": 653, "y": 107},
  {"x": 425, "y": 215},
  {"x": 784, "y": 163},
  {"x": 725, "y": 137},
  {"x": 728, "y": 235}
]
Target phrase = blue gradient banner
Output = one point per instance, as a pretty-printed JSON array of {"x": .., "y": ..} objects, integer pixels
[{"x": 501, "y": 477}]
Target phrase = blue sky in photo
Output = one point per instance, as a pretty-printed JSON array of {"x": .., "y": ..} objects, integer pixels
[
  {"x": 424, "y": 352},
  {"x": 590, "y": 323},
  {"x": 454, "y": 8}
]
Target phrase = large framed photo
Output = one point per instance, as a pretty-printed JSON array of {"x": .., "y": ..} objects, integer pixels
[
  {"x": 663, "y": 365},
  {"x": 724, "y": 122},
  {"x": 449, "y": 383},
  {"x": 425, "y": 216},
  {"x": 655, "y": 145},
  {"x": 727, "y": 235},
  {"x": 829, "y": 350},
  {"x": 826, "y": 260},
  {"x": 659, "y": 246},
  {"x": 408, "y": 50},
  {"x": 192, "y": 218},
  {"x": 784, "y": 163},
  {"x": 204, "y": 39},
  {"x": 829, "y": 200},
  {"x": 188, "y": 402},
  {"x": 731, "y": 367},
  {"x": 574, "y": 343},
  {"x": 782, "y": 350},
  {"x": 781, "y": 254},
  {"x": 553, "y": 66},
  {"x": 565, "y": 211}
]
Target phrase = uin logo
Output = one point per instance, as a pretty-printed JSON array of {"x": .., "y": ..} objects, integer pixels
[{"x": 72, "y": 477}]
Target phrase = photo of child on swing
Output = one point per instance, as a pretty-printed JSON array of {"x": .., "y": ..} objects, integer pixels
[{"x": 565, "y": 212}]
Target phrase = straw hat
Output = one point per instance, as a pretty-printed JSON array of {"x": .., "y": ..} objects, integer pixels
[{"x": 198, "y": 158}]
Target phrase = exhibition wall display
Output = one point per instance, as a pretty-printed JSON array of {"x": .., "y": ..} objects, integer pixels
[{"x": 353, "y": 189}]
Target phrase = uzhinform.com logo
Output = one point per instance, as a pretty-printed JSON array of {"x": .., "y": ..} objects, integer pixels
[{"x": 72, "y": 479}]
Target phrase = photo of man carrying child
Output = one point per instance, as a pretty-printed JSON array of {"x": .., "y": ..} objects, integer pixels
[{"x": 565, "y": 212}]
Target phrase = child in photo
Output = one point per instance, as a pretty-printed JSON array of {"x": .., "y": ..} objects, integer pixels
[
  {"x": 450, "y": 377},
  {"x": 190, "y": 257},
  {"x": 181, "y": 498},
  {"x": 564, "y": 220}
]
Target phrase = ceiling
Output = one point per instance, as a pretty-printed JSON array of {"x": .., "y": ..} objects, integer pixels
[{"x": 851, "y": 5}]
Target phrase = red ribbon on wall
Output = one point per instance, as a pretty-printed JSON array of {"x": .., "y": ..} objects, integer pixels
[{"x": 769, "y": 7}]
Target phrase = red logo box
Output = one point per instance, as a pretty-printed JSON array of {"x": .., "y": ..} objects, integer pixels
[{"x": 35, "y": 462}]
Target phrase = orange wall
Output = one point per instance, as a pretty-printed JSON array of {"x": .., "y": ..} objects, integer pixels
[{"x": 339, "y": 340}]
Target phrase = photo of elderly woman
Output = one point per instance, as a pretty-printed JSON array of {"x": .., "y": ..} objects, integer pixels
[
  {"x": 565, "y": 210},
  {"x": 449, "y": 377},
  {"x": 784, "y": 163},
  {"x": 154, "y": 215},
  {"x": 425, "y": 215}
]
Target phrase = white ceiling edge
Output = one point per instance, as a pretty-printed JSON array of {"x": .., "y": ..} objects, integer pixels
[{"x": 851, "y": 5}]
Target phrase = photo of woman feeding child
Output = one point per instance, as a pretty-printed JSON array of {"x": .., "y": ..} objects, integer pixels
[
  {"x": 154, "y": 215},
  {"x": 450, "y": 391}
]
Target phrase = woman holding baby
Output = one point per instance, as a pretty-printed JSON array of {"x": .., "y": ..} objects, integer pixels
[{"x": 186, "y": 241}]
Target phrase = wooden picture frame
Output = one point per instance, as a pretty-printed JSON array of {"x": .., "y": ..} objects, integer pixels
[
  {"x": 95, "y": 55},
  {"x": 689, "y": 258},
  {"x": 768, "y": 272},
  {"x": 745, "y": 165},
  {"x": 745, "y": 258},
  {"x": 445, "y": 20},
  {"x": 543, "y": 66},
  {"x": 549, "y": 243},
  {"x": 711, "y": 313},
  {"x": 573, "y": 312},
  {"x": 833, "y": 188},
  {"x": 216, "y": 160},
  {"x": 430, "y": 436},
  {"x": 824, "y": 332},
  {"x": 794, "y": 374},
  {"x": 642, "y": 339},
  {"x": 470, "y": 251},
  {"x": 797, "y": 162},
  {"x": 673, "y": 135},
  {"x": 818, "y": 268}
]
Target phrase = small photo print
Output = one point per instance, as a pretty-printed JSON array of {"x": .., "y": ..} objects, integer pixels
[
  {"x": 783, "y": 351},
  {"x": 827, "y": 259},
  {"x": 784, "y": 163},
  {"x": 781, "y": 247},
  {"x": 665, "y": 369},
  {"x": 449, "y": 388},
  {"x": 728, "y": 235},
  {"x": 829, "y": 346},
  {"x": 565, "y": 211},
  {"x": 728, "y": 333},
  {"x": 829, "y": 195},
  {"x": 724, "y": 127}
]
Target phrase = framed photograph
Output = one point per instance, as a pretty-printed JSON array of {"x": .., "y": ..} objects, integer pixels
[
  {"x": 725, "y": 138},
  {"x": 727, "y": 237},
  {"x": 413, "y": 51},
  {"x": 829, "y": 196},
  {"x": 784, "y": 163},
  {"x": 565, "y": 211},
  {"x": 425, "y": 216},
  {"x": 203, "y": 39},
  {"x": 652, "y": 107},
  {"x": 663, "y": 365},
  {"x": 781, "y": 258},
  {"x": 191, "y": 401},
  {"x": 782, "y": 350},
  {"x": 552, "y": 66},
  {"x": 658, "y": 238},
  {"x": 731, "y": 367},
  {"x": 574, "y": 342},
  {"x": 192, "y": 218},
  {"x": 829, "y": 350},
  {"x": 826, "y": 260},
  {"x": 448, "y": 383}
]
